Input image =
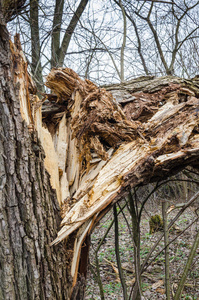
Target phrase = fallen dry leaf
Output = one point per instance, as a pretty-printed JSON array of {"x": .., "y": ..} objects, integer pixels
[
  {"x": 160, "y": 290},
  {"x": 157, "y": 284},
  {"x": 127, "y": 267},
  {"x": 172, "y": 207},
  {"x": 130, "y": 282}
]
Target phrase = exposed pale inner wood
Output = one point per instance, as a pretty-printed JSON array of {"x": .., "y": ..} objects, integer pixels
[{"x": 96, "y": 148}]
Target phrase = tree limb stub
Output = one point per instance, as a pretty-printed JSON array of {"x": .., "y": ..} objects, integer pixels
[{"x": 99, "y": 142}]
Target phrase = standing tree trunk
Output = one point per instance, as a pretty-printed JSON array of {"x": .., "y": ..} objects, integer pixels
[
  {"x": 29, "y": 211},
  {"x": 36, "y": 66},
  {"x": 68, "y": 33},
  {"x": 93, "y": 149}
]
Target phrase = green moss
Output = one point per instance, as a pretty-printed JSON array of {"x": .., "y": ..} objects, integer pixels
[{"x": 156, "y": 224}]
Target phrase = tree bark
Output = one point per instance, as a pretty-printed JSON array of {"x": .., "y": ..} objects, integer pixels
[
  {"x": 56, "y": 32},
  {"x": 36, "y": 66},
  {"x": 94, "y": 150},
  {"x": 136, "y": 246},
  {"x": 29, "y": 211},
  {"x": 69, "y": 31}
]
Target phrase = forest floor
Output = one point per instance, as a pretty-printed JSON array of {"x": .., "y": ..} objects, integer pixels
[{"x": 153, "y": 278}]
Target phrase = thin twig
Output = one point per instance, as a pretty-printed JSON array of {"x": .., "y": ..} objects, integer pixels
[{"x": 118, "y": 254}]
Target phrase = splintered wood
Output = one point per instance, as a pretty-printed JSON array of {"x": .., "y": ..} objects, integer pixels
[
  {"x": 99, "y": 142},
  {"x": 147, "y": 133}
]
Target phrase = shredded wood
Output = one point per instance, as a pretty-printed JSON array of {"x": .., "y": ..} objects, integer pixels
[
  {"x": 152, "y": 132},
  {"x": 99, "y": 142}
]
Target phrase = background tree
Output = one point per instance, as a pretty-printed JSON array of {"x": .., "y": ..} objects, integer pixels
[
  {"x": 96, "y": 40},
  {"x": 47, "y": 31},
  {"x": 170, "y": 26}
]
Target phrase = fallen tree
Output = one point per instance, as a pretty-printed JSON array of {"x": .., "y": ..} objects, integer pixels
[
  {"x": 152, "y": 134},
  {"x": 97, "y": 144}
]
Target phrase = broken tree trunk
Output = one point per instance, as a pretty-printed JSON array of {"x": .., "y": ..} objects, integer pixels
[
  {"x": 109, "y": 147},
  {"x": 98, "y": 142},
  {"x": 29, "y": 211}
]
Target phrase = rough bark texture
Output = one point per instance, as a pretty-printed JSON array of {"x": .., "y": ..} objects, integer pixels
[
  {"x": 29, "y": 211},
  {"x": 36, "y": 66},
  {"x": 94, "y": 149}
]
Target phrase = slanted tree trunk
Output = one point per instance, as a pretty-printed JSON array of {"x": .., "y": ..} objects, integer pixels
[
  {"x": 58, "y": 57},
  {"x": 59, "y": 48},
  {"x": 93, "y": 150}
]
